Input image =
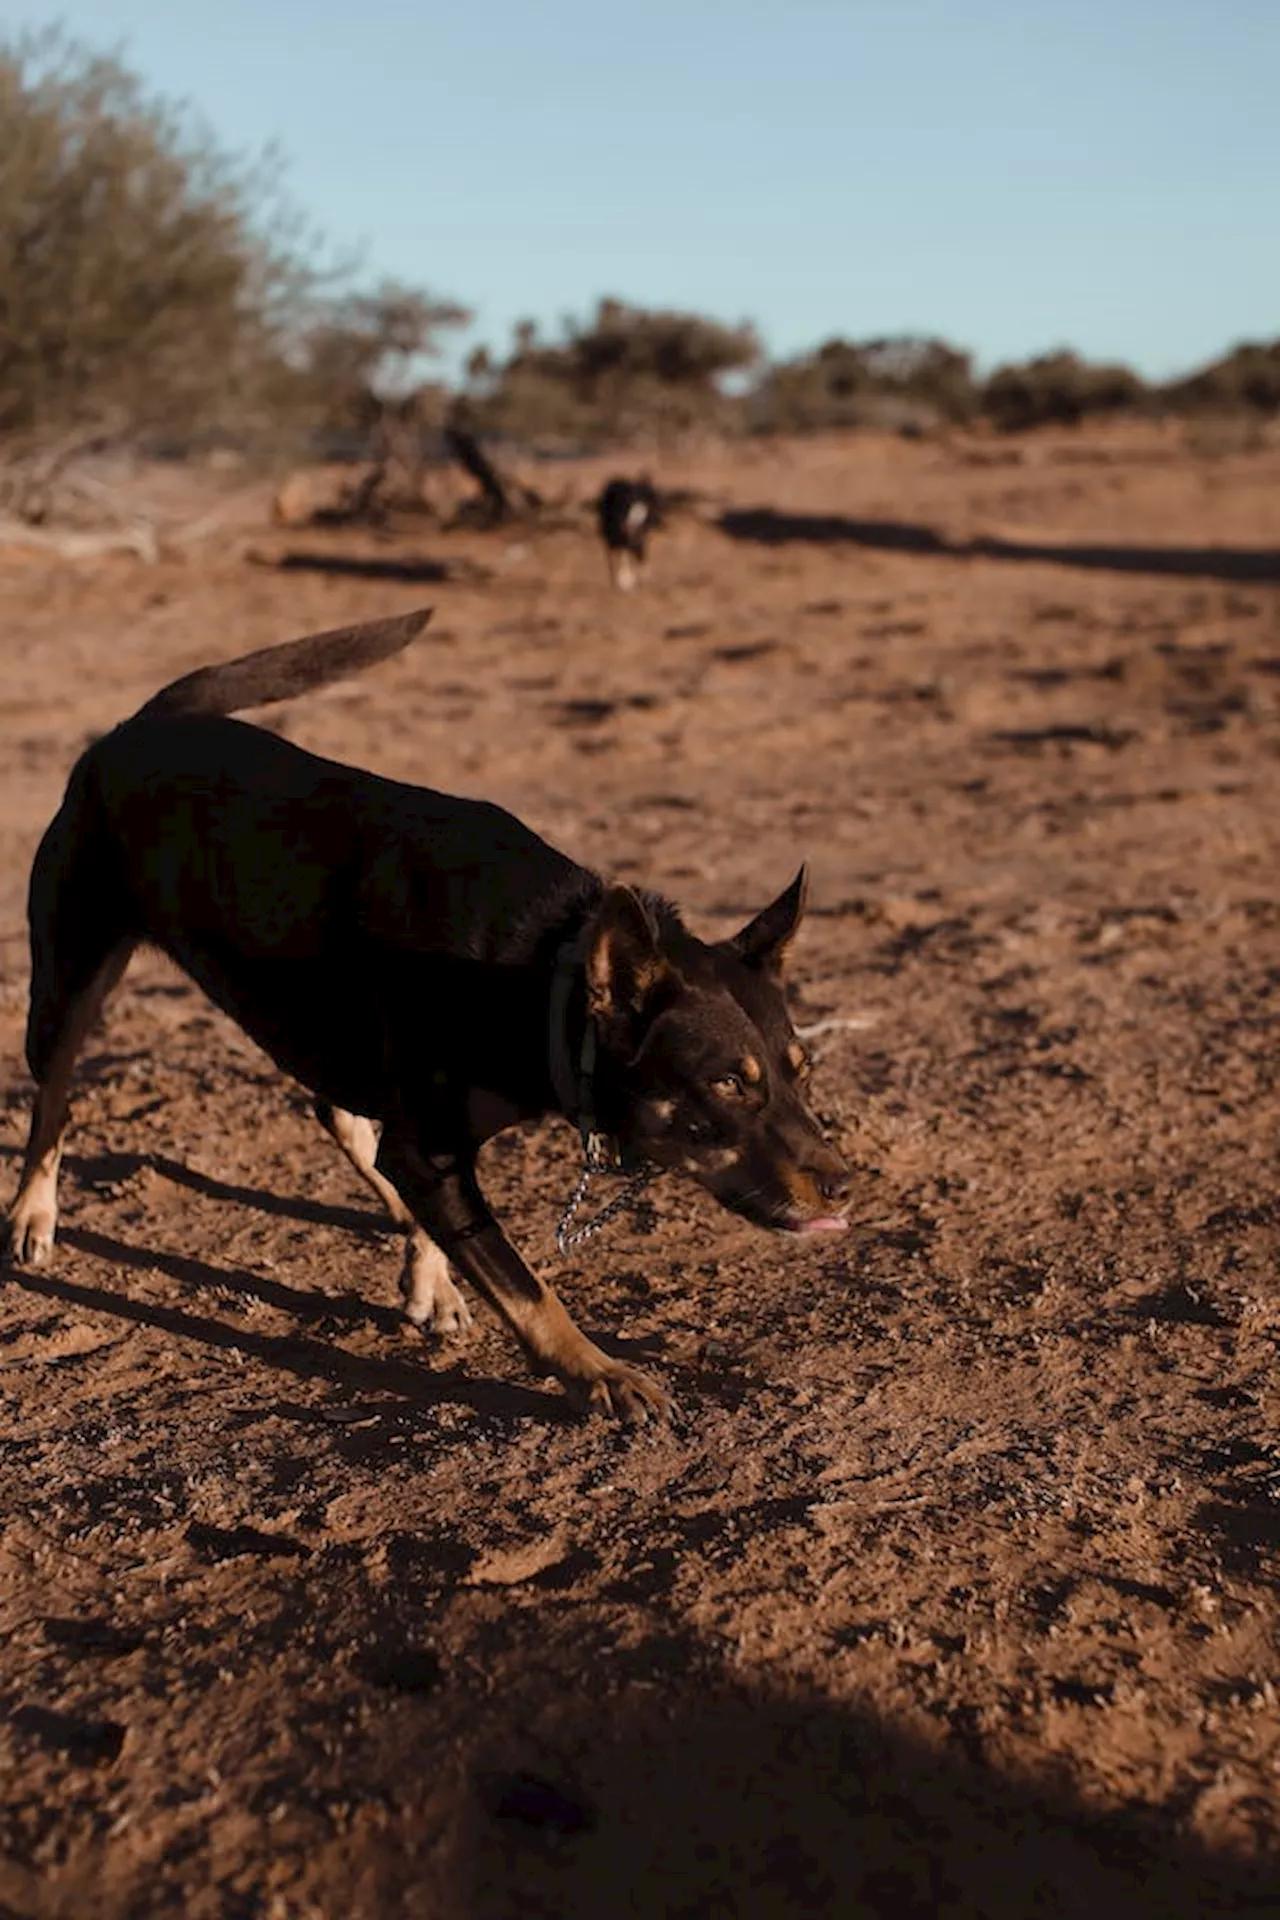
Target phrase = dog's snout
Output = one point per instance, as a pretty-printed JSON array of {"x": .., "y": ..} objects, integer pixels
[{"x": 837, "y": 1185}]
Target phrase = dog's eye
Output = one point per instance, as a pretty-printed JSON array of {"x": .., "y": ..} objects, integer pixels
[{"x": 729, "y": 1085}]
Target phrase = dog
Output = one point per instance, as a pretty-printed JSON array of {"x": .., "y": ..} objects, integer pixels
[
  {"x": 628, "y": 511},
  {"x": 432, "y": 972}
]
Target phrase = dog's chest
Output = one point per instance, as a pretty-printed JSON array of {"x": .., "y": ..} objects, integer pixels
[{"x": 489, "y": 1113}]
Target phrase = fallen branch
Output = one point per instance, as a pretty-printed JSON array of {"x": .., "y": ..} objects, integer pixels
[
  {"x": 855, "y": 1023},
  {"x": 140, "y": 539}
]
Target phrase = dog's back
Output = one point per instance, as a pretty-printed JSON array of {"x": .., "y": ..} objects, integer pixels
[
  {"x": 197, "y": 824},
  {"x": 226, "y": 831},
  {"x": 276, "y": 878}
]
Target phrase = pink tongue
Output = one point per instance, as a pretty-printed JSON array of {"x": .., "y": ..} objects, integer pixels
[{"x": 826, "y": 1223}]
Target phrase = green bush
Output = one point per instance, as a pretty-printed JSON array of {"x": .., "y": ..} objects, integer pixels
[
  {"x": 355, "y": 374},
  {"x": 1058, "y": 389},
  {"x": 628, "y": 371},
  {"x": 1246, "y": 380},
  {"x": 888, "y": 382}
]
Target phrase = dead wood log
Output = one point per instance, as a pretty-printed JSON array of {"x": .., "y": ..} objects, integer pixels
[{"x": 502, "y": 499}]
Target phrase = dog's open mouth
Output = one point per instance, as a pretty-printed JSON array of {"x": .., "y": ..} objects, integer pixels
[
  {"x": 787, "y": 1219},
  {"x": 791, "y": 1221},
  {"x": 820, "y": 1223}
]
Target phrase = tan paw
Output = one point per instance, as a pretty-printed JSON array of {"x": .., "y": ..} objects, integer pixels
[
  {"x": 431, "y": 1300},
  {"x": 622, "y": 1391},
  {"x": 448, "y": 1316},
  {"x": 29, "y": 1232}
]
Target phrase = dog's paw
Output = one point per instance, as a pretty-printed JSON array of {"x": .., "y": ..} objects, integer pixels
[
  {"x": 447, "y": 1317},
  {"x": 625, "y": 1392},
  {"x": 28, "y": 1232},
  {"x": 432, "y": 1302}
]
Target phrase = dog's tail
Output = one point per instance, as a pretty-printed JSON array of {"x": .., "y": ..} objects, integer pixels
[{"x": 283, "y": 672}]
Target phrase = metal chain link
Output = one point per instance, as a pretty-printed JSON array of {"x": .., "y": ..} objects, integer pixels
[{"x": 629, "y": 1195}]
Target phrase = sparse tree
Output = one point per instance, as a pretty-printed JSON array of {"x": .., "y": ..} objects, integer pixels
[
  {"x": 626, "y": 370},
  {"x": 147, "y": 278},
  {"x": 154, "y": 290},
  {"x": 360, "y": 362}
]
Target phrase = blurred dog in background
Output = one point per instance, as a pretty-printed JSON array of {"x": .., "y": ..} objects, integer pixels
[{"x": 628, "y": 511}]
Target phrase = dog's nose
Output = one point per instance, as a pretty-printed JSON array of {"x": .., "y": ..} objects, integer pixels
[{"x": 836, "y": 1187}]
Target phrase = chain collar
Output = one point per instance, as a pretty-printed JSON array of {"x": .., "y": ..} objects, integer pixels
[{"x": 567, "y": 1235}]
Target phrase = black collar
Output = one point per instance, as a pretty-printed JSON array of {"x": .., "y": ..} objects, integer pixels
[{"x": 575, "y": 1085}]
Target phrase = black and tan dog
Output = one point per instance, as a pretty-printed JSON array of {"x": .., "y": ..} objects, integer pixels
[
  {"x": 628, "y": 511},
  {"x": 423, "y": 963}
]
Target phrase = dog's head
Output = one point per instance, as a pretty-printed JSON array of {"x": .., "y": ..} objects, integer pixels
[{"x": 699, "y": 1067}]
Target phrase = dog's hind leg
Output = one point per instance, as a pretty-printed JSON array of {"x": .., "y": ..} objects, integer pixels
[
  {"x": 431, "y": 1301},
  {"x": 358, "y": 1140},
  {"x": 81, "y": 938},
  {"x": 60, "y": 1022}
]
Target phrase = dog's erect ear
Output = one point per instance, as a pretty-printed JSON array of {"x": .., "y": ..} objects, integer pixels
[
  {"x": 624, "y": 964},
  {"x": 764, "y": 941}
]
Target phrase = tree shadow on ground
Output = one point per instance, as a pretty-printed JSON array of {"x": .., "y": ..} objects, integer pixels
[
  {"x": 540, "y": 1770},
  {"x": 737, "y": 1804},
  {"x": 769, "y": 527},
  {"x": 413, "y": 569}
]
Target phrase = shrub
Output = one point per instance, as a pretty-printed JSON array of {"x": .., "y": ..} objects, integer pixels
[
  {"x": 1058, "y": 389},
  {"x": 886, "y": 382},
  {"x": 357, "y": 366},
  {"x": 628, "y": 370},
  {"x": 1245, "y": 380}
]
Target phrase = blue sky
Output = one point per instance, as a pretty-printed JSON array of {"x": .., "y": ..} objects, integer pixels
[{"x": 1012, "y": 174}]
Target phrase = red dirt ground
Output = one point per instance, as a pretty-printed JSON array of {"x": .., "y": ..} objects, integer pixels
[{"x": 955, "y": 1590}]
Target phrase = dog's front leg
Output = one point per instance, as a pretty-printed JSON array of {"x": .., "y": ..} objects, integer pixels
[{"x": 442, "y": 1191}]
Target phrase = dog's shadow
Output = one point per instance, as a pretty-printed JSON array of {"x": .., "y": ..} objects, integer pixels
[
  {"x": 239, "y": 1285},
  {"x": 102, "y": 1169},
  {"x": 417, "y": 1388}
]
